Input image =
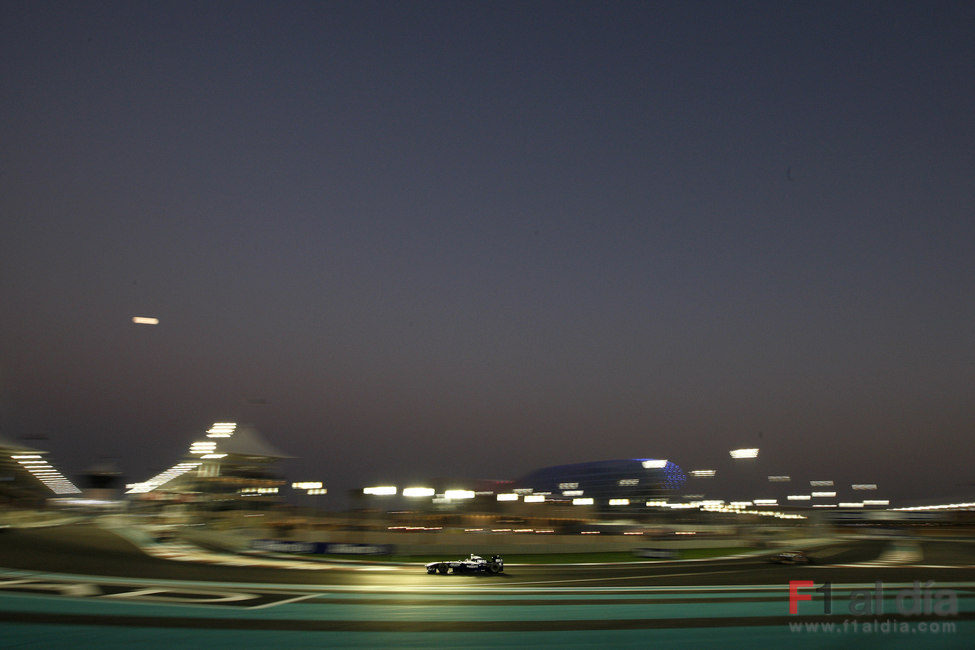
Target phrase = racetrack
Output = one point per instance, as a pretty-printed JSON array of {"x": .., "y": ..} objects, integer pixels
[{"x": 86, "y": 581}]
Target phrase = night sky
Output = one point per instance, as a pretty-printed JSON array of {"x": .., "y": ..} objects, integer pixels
[{"x": 411, "y": 239}]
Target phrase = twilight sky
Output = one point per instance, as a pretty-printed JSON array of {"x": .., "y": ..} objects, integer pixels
[{"x": 473, "y": 238}]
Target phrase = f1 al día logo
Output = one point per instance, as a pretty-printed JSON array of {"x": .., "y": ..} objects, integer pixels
[{"x": 920, "y": 600}]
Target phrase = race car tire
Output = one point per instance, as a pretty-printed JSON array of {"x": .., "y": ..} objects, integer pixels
[
  {"x": 432, "y": 570},
  {"x": 494, "y": 568},
  {"x": 443, "y": 568}
]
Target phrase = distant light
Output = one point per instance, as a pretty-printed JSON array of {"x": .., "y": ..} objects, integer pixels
[
  {"x": 306, "y": 485},
  {"x": 821, "y": 483},
  {"x": 582, "y": 501},
  {"x": 703, "y": 473},
  {"x": 652, "y": 463},
  {"x": 943, "y": 506},
  {"x": 568, "y": 486},
  {"x": 779, "y": 479},
  {"x": 799, "y": 497},
  {"x": 864, "y": 486},
  {"x": 824, "y": 494},
  {"x": 317, "y": 491},
  {"x": 381, "y": 490},
  {"x": 458, "y": 494},
  {"x": 203, "y": 447},
  {"x": 744, "y": 453},
  {"x": 766, "y": 502},
  {"x": 24, "y": 456},
  {"x": 824, "y": 505},
  {"x": 618, "y": 502},
  {"x": 507, "y": 496},
  {"x": 221, "y": 430},
  {"x": 162, "y": 478},
  {"x": 418, "y": 492},
  {"x": 534, "y": 498},
  {"x": 850, "y": 505},
  {"x": 145, "y": 320},
  {"x": 213, "y": 456},
  {"x": 572, "y": 493},
  {"x": 876, "y": 502}
]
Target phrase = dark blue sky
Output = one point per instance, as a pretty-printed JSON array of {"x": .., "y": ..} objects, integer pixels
[{"x": 471, "y": 239}]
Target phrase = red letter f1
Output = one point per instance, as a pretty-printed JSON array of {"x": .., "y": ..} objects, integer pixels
[{"x": 795, "y": 596}]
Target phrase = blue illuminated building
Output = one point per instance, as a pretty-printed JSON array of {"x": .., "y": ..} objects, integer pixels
[{"x": 635, "y": 479}]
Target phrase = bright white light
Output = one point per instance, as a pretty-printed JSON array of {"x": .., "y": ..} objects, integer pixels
[
  {"x": 779, "y": 479},
  {"x": 651, "y": 463},
  {"x": 703, "y": 473},
  {"x": 203, "y": 447},
  {"x": 418, "y": 492},
  {"x": 534, "y": 498},
  {"x": 145, "y": 320},
  {"x": 744, "y": 453},
  {"x": 582, "y": 501},
  {"x": 850, "y": 505},
  {"x": 876, "y": 502},
  {"x": 306, "y": 485},
  {"x": 618, "y": 502},
  {"x": 824, "y": 505},
  {"x": 799, "y": 497},
  {"x": 162, "y": 478},
  {"x": 572, "y": 493},
  {"x": 45, "y": 473},
  {"x": 766, "y": 502},
  {"x": 380, "y": 490},
  {"x": 943, "y": 506},
  {"x": 821, "y": 483},
  {"x": 213, "y": 456},
  {"x": 824, "y": 494},
  {"x": 508, "y": 496},
  {"x": 458, "y": 494},
  {"x": 221, "y": 430},
  {"x": 317, "y": 491}
]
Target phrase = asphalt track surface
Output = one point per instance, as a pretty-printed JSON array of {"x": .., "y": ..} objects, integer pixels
[{"x": 101, "y": 590}]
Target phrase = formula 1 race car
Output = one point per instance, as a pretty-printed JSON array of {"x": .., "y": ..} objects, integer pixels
[
  {"x": 791, "y": 557},
  {"x": 472, "y": 564}
]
